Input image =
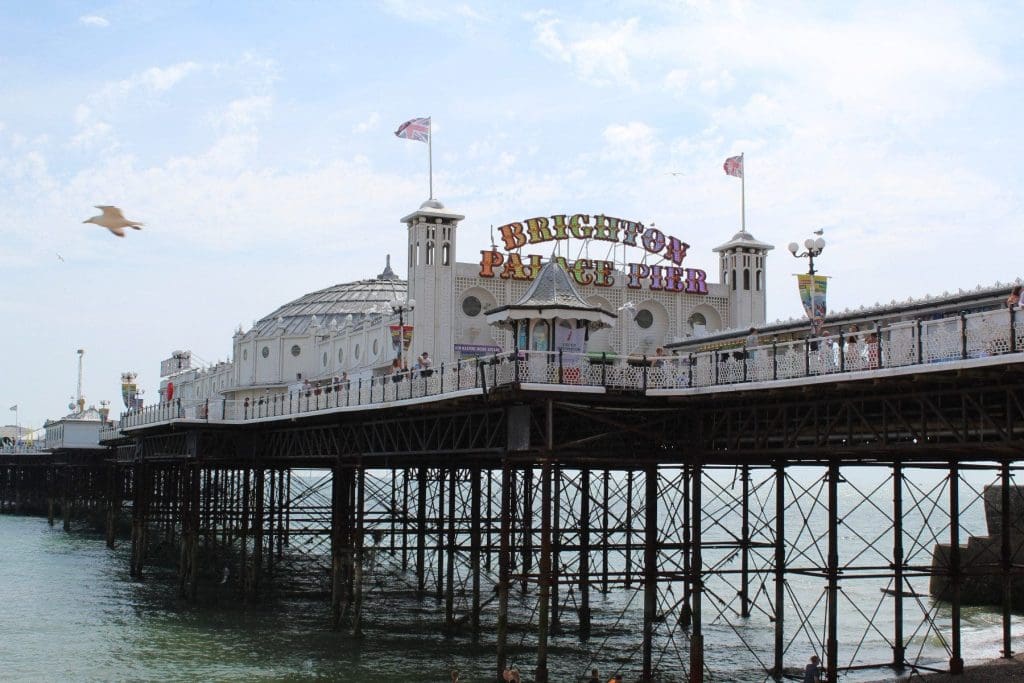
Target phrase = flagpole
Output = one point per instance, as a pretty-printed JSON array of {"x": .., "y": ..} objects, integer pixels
[
  {"x": 430, "y": 155},
  {"x": 743, "y": 195}
]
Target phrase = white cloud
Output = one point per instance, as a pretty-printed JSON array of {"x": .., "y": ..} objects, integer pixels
[
  {"x": 434, "y": 12},
  {"x": 160, "y": 79},
  {"x": 371, "y": 123},
  {"x": 599, "y": 53},
  {"x": 94, "y": 20},
  {"x": 633, "y": 142}
]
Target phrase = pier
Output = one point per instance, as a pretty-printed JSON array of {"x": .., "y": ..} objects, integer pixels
[{"x": 730, "y": 497}]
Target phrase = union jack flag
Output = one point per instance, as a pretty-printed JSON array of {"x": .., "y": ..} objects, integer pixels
[
  {"x": 734, "y": 166},
  {"x": 415, "y": 129}
]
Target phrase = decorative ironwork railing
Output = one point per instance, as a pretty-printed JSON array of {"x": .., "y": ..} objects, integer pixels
[{"x": 901, "y": 344}]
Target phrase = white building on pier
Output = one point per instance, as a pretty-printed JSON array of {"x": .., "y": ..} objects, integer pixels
[{"x": 352, "y": 329}]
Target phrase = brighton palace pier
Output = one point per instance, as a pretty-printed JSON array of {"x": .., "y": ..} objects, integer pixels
[{"x": 597, "y": 453}]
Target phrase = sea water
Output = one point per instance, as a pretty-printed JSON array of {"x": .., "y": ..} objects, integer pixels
[{"x": 69, "y": 611}]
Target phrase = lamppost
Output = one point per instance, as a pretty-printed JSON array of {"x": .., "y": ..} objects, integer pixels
[
  {"x": 400, "y": 306},
  {"x": 814, "y": 248}
]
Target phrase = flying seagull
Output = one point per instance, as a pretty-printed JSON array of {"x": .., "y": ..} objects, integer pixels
[
  {"x": 820, "y": 232},
  {"x": 113, "y": 220}
]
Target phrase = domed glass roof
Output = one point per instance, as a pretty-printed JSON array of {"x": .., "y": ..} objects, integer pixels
[{"x": 358, "y": 299}]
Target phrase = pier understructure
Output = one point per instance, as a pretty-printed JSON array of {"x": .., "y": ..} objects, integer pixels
[{"x": 727, "y": 534}]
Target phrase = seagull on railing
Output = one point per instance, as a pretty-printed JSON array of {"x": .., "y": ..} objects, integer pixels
[
  {"x": 628, "y": 306},
  {"x": 113, "y": 220}
]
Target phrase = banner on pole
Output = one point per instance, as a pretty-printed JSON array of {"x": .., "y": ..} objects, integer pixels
[{"x": 813, "y": 290}]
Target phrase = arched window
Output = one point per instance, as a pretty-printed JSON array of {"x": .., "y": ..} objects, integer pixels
[
  {"x": 430, "y": 254},
  {"x": 734, "y": 280},
  {"x": 746, "y": 278},
  {"x": 446, "y": 254},
  {"x": 412, "y": 253},
  {"x": 699, "y": 324},
  {"x": 759, "y": 280}
]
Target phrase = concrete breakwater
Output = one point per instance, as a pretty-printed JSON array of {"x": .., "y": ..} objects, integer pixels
[{"x": 986, "y": 566}]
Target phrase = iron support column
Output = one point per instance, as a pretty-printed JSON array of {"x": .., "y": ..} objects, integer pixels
[
  {"x": 504, "y": 553},
  {"x": 956, "y": 661},
  {"x": 584, "y": 562},
  {"x": 696, "y": 582},
  {"x": 898, "y": 645},
  {"x": 832, "y": 644},
  {"x": 1006, "y": 558},
  {"x": 780, "y": 569},
  {"x": 650, "y": 570}
]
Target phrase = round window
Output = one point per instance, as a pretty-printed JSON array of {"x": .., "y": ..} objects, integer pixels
[
  {"x": 644, "y": 318},
  {"x": 341, "y": 355},
  {"x": 376, "y": 346},
  {"x": 471, "y": 306},
  {"x": 325, "y": 359},
  {"x": 355, "y": 353},
  {"x": 245, "y": 354},
  {"x": 265, "y": 352},
  {"x": 296, "y": 350}
]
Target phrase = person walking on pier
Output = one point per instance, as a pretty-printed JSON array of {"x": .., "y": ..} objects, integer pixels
[
  {"x": 812, "y": 672},
  {"x": 594, "y": 678},
  {"x": 1013, "y": 301}
]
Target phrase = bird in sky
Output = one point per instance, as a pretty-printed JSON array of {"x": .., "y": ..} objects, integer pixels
[
  {"x": 673, "y": 173},
  {"x": 820, "y": 232},
  {"x": 60, "y": 257},
  {"x": 113, "y": 220}
]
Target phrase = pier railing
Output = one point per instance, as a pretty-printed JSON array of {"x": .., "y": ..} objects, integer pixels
[{"x": 900, "y": 344}]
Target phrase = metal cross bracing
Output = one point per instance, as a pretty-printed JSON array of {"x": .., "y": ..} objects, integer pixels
[
  {"x": 399, "y": 434},
  {"x": 981, "y": 420}
]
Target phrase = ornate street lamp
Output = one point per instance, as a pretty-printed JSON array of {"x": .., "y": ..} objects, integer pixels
[{"x": 814, "y": 248}]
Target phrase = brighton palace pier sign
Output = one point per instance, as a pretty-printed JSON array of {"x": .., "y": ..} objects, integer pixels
[{"x": 669, "y": 278}]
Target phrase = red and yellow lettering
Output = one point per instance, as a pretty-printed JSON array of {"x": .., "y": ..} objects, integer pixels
[
  {"x": 579, "y": 226},
  {"x": 538, "y": 229},
  {"x": 514, "y": 268},
  {"x": 535, "y": 265},
  {"x": 513, "y": 236},
  {"x": 606, "y": 228},
  {"x": 560, "y": 227},
  {"x": 489, "y": 260},
  {"x": 579, "y": 272}
]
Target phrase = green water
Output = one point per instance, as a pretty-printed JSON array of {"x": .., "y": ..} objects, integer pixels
[{"x": 71, "y": 613}]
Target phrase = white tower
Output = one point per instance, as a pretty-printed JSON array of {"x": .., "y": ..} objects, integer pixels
[
  {"x": 432, "y": 232},
  {"x": 742, "y": 264}
]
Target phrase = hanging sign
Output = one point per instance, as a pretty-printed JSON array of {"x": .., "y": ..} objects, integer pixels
[
  {"x": 669, "y": 278},
  {"x": 812, "y": 295}
]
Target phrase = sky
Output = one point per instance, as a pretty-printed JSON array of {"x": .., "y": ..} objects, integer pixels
[{"x": 255, "y": 141}]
